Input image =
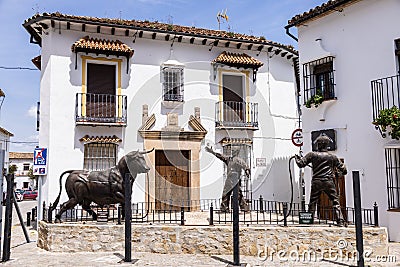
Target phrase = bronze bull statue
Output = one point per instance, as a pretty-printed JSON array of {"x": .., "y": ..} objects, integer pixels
[{"x": 101, "y": 187}]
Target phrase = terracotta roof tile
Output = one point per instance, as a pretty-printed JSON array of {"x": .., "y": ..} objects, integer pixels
[
  {"x": 156, "y": 26},
  {"x": 21, "y": 155},
  {"x": 4, "y": 131},
  {"x": 101, "y": 45},
  {"x": 238, "y": 60},
  {"x": 100, "y": 139},
  {"x": 320, "y": 10}
]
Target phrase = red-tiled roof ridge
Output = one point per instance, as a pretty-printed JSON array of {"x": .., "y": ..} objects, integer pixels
[
  {"x": 100, "y": 139},
  {"x": 4, "y": 131},
  {"x": 102, "y": 45},
  {"x": 21, "y": 155},
  {"x": 158, "y": 26},
  {"x": 238, "y": 59},
  {"x": 319, "y": 11}
]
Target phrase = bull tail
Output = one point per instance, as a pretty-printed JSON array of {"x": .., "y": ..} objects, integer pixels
[{"x": 53, "y": 207}]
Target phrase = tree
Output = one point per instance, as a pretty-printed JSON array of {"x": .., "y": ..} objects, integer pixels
[
  {"x": 12, "y": 169},
  {"x": 33, "y": 177}
]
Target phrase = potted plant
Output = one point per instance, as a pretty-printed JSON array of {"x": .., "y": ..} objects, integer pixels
[
  {"x": 315, "y": 99},
  {"x": 389, "y": 119}
]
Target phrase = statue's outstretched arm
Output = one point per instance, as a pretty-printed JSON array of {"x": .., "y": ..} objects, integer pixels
[{"x": 218, "y": 155}]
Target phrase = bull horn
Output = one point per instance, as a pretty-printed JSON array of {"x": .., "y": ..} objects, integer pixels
[{"x": 145, "y": 152}]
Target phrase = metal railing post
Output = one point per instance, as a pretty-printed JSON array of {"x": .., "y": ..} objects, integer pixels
[
  {"x": 211, "y": 222},
  {"x": 285, "y": 210},
  {"x": 43, "y": 210},
  {"x": 49, "y": 214},
  {"x": 182, "y": 215}
]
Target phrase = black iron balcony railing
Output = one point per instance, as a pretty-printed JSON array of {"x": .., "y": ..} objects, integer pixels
[
  {"x": 173, "y": 97},
  {"x": 230, "y": 114},
  {"x": 385, "y": 94},
  {"x": 101, "y": 109}
]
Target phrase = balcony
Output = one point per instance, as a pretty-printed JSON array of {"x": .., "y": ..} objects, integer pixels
[
  {"x": 101, "y": 109},
  {"x": 385, "y": 94},
  {"x": 230, "y": 114}
]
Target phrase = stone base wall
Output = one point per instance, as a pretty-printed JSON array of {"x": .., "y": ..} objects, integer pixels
[{"x": 216, "y": 240}]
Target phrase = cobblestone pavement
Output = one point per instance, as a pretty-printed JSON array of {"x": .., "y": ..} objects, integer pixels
[{"x": 28, "y": 254}]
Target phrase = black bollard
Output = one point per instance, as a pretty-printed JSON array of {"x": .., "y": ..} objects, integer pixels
[
  {"x": 33, "y": 214},
  {"x": 358, "y": 218},
  {"x": 261, "y": 204},
  {"x": 235, "y": 204},
  {"x": 376, "y": 215},
  {"x": 28, "y": 218},
  {"x": 128, "y": 218}
]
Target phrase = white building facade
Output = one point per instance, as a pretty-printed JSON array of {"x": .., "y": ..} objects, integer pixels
[
  {"x": 5, "y": 145},
  {"x": 24, "y": 162},
  {"x": 110, "y": 86},
  {"x": 350, "y": 60}
]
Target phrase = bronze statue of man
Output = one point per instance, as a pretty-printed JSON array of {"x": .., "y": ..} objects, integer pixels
[
  {"x": 324, "y": 167},
  {"x": 234, "y": 164}
]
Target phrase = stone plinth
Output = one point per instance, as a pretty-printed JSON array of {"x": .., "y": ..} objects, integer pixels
[{"x": 216, "y": 240}]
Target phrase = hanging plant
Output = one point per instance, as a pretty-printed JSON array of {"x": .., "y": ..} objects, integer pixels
[
  {"x": 315, "y": 100},
  {"x": 389, "y": 119}
]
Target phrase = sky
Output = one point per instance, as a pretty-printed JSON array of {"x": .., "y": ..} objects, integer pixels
[{"x": 21, "y": 86}]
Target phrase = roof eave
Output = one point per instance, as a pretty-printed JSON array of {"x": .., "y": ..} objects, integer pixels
[
  {"x": 37, "y": 37},
  {"x": 320, "y": 13}
]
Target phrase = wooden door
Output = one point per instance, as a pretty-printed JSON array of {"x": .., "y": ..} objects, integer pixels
[
  {"x": 101, "y": 91},
  {"x": 233, "y": 98},
  {"x": 325, "y": 209},
  {"x": 172, "y": 179}
]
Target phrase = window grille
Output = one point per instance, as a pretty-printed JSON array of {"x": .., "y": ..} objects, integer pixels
[
  {"x": 393, "y": 177},
  {"x": 172, "y": 80},
  {"x": 319, "y": 78},
  {"x": 100, "y": 156}
]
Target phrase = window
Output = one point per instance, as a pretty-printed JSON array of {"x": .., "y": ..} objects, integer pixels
[
  {"x": 318, "y": 77},
  {"x": 397, "y": 51},
  {"x": 393, "y": 177},
  {"x": 172, "y": 81},
  {"x": 99, "y": 156},
  {"x": 26, "y": 166}
]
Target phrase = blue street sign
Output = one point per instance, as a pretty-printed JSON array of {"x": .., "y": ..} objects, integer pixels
[{"x": 40, "y": 161}]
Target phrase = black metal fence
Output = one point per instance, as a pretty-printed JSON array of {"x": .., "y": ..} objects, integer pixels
[
  {"x": 260, "y": 211},
  {"x": 385, "y": 94},
  {"x": 101, "y": 108},
  {"x": 236, "y": 114}
]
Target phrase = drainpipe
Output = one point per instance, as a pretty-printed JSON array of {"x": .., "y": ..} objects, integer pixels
[{"x": 288, "y": 32}]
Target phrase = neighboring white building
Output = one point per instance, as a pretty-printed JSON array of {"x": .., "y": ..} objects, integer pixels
[
  {"x": 110, "y": 86},
  {"x": 24, "y": 162},
  {"x": 349, "y": 52},
  {"x": 5, "y": 144}
]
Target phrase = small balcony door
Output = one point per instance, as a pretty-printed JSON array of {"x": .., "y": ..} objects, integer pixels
[
  {"x": 233, "y": 98},
  {"x": 101, "y": 91}
]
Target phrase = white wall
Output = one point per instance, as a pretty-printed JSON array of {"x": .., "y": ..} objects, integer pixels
[
  {"x": 274, "y": 91},
  {"x": 364, "y": 50}
]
